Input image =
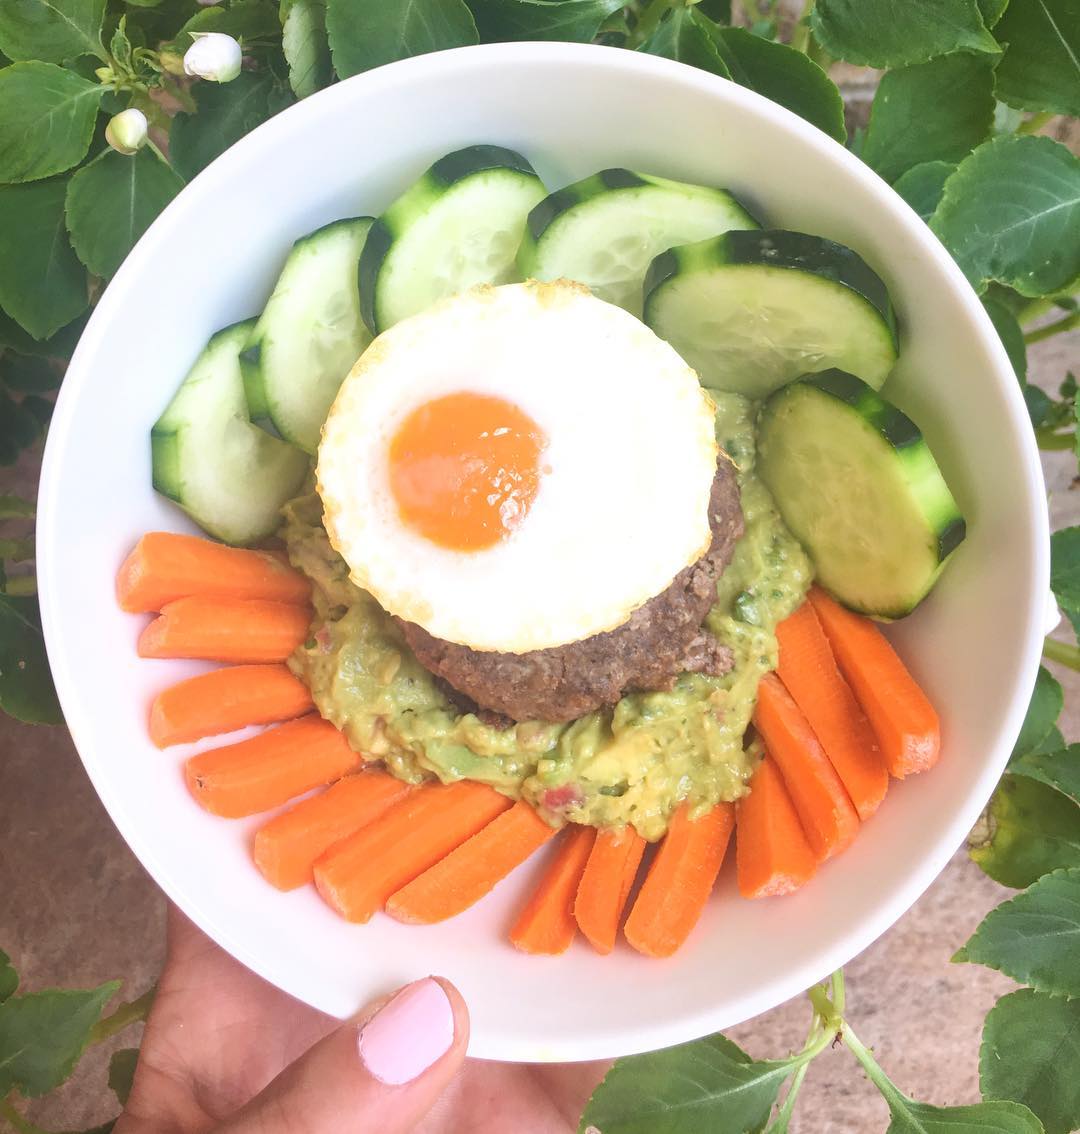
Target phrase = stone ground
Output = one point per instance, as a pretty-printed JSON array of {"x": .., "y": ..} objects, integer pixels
[{"x": 77, "y": 909}]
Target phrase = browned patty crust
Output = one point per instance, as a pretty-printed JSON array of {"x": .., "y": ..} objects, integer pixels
[{"x": 660, "y": 640}]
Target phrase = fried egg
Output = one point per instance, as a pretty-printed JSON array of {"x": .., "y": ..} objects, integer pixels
[{"x": 518, "y": 467}]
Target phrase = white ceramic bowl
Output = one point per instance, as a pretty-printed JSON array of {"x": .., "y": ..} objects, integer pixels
[{"x": 211, "y": 259}]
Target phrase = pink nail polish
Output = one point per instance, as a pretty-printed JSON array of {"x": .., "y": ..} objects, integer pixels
[{"x": 408, "y": 1034}]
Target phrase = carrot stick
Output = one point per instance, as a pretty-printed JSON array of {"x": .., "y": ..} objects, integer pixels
[
  {"x": 225, "y": 630},
  {"x": 905, "y": 722},
  {"x": 286, "y": 848},
  {"x": 825, "y": 811},
  {"x": 605, "y": 885},
  {"x": 226, "y": 699},
  {"x": 271, "y": 768},
  {"x": 546, "y": 924},
  {"x": 679, "y": 882},
  {"x": 772, "y": 855},
  {"x": 357, "y": 875},
  {"x": 165, "y": 566},
  {"x": 808, "y": 671},
  {"x": 468, "y": 872}
]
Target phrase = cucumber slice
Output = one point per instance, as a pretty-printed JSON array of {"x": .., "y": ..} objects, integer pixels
[
  {"x": 230, "y": 476},
  {"x": 859, "y": 488},
  {"x": 752, "y": 311},
  {"x": 309, "y": 334},
  {"x": 605, "y": 231},
  {"x": 458, "y": 225}
]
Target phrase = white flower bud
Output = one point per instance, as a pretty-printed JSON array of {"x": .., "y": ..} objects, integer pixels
[
  {"x": 214, "y": 56},
  {"x": 126, "y": 131}
]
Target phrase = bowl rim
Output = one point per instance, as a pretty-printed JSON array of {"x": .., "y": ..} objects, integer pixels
[{"x": 603, "y": 61}]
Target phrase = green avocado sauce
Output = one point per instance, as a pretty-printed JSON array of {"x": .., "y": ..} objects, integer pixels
[{"x": 632, "y": 764}]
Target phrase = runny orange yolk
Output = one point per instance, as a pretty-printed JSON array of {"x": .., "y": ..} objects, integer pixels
[{"x": 465, "y": 469}]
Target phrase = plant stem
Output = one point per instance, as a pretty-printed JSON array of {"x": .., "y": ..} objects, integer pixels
[
  {"x": 1062, "y": 653},
  {"x": 1058, "y": 327},
  {"x": 873, "y": 1072},
  {"x": 780, "y": 1123},
  {"x": 1035, "y": 122},
  {"x": 123, "y": 1017},
  {"x": 649, "y": 20},
  {"x": 838, "y": 992},
  {"x": 16, "y": 1120},
  {"x": 753, "y": 11},
  {"x": 1050, "y": 441},
  {"x": 800, "y": 37}
]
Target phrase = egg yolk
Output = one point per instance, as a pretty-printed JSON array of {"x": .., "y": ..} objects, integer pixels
[{"x": 465, "y": 469}]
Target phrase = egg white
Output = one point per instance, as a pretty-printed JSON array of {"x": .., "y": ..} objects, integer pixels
[{"x": 631, "y": 456}]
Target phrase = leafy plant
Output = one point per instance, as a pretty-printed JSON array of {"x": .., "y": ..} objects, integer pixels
[{"x": 967, "y": 83}]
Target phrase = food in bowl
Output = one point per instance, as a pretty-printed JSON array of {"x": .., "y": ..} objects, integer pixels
[{"x": 553, "y": 568}]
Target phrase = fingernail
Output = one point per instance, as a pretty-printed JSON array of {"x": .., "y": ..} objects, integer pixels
[{"x": 408, "y": 1034}]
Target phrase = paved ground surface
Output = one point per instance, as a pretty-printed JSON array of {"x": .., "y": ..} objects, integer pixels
[{"x": 76, "y": 909}]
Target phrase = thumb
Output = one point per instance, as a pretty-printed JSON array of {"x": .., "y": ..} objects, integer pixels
[{"x": 382, "y": 1074}]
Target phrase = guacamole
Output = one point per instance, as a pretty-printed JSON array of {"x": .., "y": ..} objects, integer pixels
[{"x": 631, "y": 764}]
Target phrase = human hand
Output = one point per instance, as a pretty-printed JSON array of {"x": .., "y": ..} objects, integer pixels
[{"x": 224, "y": 1051}]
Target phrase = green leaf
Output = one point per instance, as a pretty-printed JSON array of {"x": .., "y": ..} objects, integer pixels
[
  {"x": 15, "y": 507},
  {"x": 226, "y": 112},
  {"x": 1040, "y": 69},
  {"x": 1033, "y": 830},
  {"x": 1035, "y": 937},
  {"x": 1012, "y": 339},
  {"x": 43, "y": 1034},
  {"x": 882, "y": 33},
  {"x": 29, "y": 374},
  {"x": 122, "y": 1072},
  {"x": 923, "y": 185},
  {"x": 111, "y": 203},
  {"x": 367, "y": 33},
  {"x": 244, "y": 20},
  {"x": 1011, "y": 212},
  {"x": 1030, "y": 1053},
  {"x": 303, "y": 40},
  {"x": 9, "y": 978},
  {"x": 718, "y": 10},
  {"x": 59, "y": 345},
  {"x": 576, "y": 21},
  {"x": 1059, "y": 769},
  {"x": 1065, "y": 572},
  {"x": 19, "y": 428},
  {"x": 42, "y": 284},
  {"x": 983, "y": 1118},
  {"x": 46, "y": 120},
  {"x": 26, "y": 688},
  {"x": 784, "y": 75},
  {"x": 685, "y": 37},
  {"x": 936, "y": 111},
  {"x": 51, "y": 30},
  {"x": 992, "y": 10},
  {"x": 1047, "y": 701},
  {"x": 708, "y": 1085}
]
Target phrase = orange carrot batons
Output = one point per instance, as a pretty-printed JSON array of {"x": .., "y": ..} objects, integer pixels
[
  {"x": 906, "y": 724},
  {"x": 286, "y": 848},
  {"x": 470, "y": 871},
  {"x": 679, "y": 881},
  {"x": 808, "y": 671},
  {"x": 772, "y": 855},
  {"x": 225, "y": 630},
  {"x": 357, "y": 875},
  {"x": 605, "y": 885},
  {"x": 226, "y": 699},
  {"x": 271, "y": 768},
  {"x": 165, "y": 566},
  {"x": 825, "y": 811},
  {"x": 546, "y": 924}
]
